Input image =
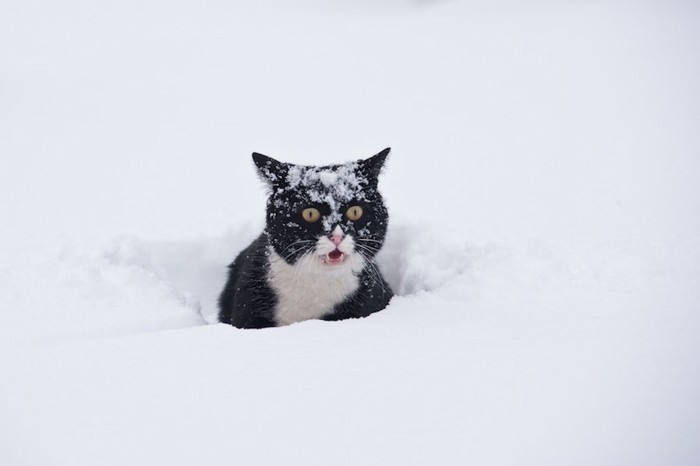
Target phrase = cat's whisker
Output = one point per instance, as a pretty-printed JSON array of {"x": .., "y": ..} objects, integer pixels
[
  {"x": 374, "y": 272},
  {"x": 303, "y": 241},
  {"x": 306, "y": 262},
  {"x": 295, "y": 243},
  {"x": 294, "y": 252},
  {"x": 369, "y": 246},
  {"x": 369, "y": 239},
  {"x": 370, "y": 251}
]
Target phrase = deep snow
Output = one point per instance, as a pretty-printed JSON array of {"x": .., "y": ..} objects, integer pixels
[{"x": 544, "y": 241}]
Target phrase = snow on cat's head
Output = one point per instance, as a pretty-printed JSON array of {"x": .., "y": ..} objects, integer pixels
[{"x": 332, "y": 211}]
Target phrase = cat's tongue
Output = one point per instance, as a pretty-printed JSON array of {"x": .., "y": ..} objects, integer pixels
[{"x": 335, "y": 257}]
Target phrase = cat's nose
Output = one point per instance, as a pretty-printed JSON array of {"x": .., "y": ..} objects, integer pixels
[{"x": 337, "y": 235}]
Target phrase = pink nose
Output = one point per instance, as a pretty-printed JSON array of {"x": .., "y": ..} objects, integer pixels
[
  {"x": 337, "y": 235},
  {"x": 337, "y": 238}
]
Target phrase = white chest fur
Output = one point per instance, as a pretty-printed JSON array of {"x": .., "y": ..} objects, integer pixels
[{"x": 309, "y": 289}]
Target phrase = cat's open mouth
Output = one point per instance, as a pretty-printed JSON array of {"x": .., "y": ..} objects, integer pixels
[{"x": 334, "y": 258}]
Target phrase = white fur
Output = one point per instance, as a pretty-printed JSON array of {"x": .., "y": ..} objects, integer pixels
[{"x": 309, "y": 289}]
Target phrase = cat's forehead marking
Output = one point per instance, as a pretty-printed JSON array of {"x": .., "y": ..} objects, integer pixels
[{"x": 327, "y": 184}]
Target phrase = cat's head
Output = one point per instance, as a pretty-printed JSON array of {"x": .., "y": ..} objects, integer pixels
[{"x": 332, "y": 214}]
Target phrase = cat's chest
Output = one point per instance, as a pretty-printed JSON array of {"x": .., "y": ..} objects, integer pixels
[{"x": 308, "y": 290}]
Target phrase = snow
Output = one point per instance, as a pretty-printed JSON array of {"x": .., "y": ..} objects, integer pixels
[
  {"x": 544, "y": 242},
  {"x": 328, "y": 178},
  {"x": 330, "y": 185}
]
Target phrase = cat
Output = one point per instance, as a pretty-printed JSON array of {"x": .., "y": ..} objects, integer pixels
[{"x": 315, "y": 259}]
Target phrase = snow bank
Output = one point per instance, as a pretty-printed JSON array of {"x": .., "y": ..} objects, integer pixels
[
  {"x": 557, "y": 351},
  {"x": 82, "y": 295},
  {"x": 414, "y": 259},
  {"x": 196, "y": 268},
  {"x": 133, "y": 285}
]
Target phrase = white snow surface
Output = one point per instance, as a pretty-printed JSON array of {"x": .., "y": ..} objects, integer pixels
[{"x": 544, "y": 240}]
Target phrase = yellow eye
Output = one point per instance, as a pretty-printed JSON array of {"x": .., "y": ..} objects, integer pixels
[
  {"x": 311, "y": 214},
  {"x": 354, "y": 213}
]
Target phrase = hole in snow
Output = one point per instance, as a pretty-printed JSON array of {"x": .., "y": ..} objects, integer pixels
[
  {"x": 413, "y": 260},
  {"x": 416, "y": 259}
]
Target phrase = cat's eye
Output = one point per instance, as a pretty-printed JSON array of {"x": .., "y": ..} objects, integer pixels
[
  {"x": 354, "y": 213},
  {"x": 311, "y": 214}
]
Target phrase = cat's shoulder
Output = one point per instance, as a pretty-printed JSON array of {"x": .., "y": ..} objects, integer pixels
[{"x": 256, "y": 252}]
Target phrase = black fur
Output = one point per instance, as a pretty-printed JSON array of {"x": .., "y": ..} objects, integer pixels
[{"x": 247, "y": 300}]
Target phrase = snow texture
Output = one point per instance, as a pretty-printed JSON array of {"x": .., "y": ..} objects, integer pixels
[
  {"x": 332, "y": 186},
  {"x": 544, "y": 242}
]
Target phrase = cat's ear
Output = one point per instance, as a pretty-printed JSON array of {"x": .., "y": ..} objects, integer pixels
[
  {"x": 272, "y": 171},
  {"x": 372, "y": 166}
]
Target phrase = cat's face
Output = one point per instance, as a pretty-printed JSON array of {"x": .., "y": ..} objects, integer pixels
[{"x": 333, "y": 214}]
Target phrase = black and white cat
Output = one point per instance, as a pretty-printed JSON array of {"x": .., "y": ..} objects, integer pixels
[{"x": 315, "y": 258}]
